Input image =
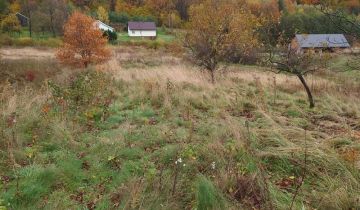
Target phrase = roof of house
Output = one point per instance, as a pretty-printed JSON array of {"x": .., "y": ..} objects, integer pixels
[
  {"x": 21, "y": 15},
  {"x": 142, "y": 25},
  {"x": 104, "y": 24},
  {"x": 322, "y": 40}
]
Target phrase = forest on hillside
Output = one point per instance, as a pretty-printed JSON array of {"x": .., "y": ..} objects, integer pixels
[{"x": 288, "y": 16}]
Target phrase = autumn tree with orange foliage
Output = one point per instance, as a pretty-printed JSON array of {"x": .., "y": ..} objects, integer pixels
[{"x": 84, "y": 43}]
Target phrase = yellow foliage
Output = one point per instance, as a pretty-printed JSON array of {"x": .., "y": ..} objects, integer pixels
[
  {"x": 15, "y": 7},
  {"x": 102, "y": 14},
  {"x": 10, "y": 24},
  {"x": 122, "y": 6},
  {"x": 172, "y": 19},
  {"x": 217, "y": 28}
]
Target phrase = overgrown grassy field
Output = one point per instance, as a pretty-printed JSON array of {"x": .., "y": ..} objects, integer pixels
[{"x": 148, "y": 131}]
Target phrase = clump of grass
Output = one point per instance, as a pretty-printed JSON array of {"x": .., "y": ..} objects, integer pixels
[
  {"x": 31, "y": 185},
  {"x": 207, "y": 196}
]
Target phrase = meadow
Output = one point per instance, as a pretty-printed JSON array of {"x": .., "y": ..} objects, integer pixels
[
  {"x": 46, "y": 40},
  {"x": 147, "y": 130}
]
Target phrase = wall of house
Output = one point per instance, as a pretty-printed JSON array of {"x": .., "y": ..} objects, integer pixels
[{"x": 144, "y": 33}]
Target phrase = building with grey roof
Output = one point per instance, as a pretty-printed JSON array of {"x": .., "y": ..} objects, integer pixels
[{"x": 331, "y": 42}]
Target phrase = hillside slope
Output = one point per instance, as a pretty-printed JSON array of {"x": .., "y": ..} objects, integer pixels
[{"x": 149, "y": 131}]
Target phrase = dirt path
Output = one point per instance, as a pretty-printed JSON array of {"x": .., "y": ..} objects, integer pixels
[{"x": 26, "y": 53}]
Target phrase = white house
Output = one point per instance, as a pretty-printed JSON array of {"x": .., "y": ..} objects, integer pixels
[
  {"x": 142, "y": 29},
  {"x": 102, "y": 26}
]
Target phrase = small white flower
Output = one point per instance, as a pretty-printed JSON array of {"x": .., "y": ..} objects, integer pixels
[
  {"x": 213, "y": 165},
  {"x": 184, "y": 165},
  {"x": 178, "y": 161}
]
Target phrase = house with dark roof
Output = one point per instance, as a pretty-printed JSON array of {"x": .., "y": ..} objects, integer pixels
[
  {"x": 142, "y": 29},
  {"x": 24, "y": 21},
  {"x": 320, "y": 42}
]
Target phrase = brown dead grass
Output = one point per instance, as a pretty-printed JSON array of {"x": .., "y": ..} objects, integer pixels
[
  {"x": 289, "y": 139},
  {"x": 27, "y": 53},
  {"x": 137, "y": 63}
]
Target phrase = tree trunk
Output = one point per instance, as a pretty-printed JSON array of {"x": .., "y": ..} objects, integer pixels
[
  {"x": 52, "y": 23},
  {"x": 112, "y": 5},
  {"x": 308, "y": 91},
  {"x": 30, "y": 26}
]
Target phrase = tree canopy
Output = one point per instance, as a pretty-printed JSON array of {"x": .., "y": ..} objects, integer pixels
[{"x": 84, "y": 43}]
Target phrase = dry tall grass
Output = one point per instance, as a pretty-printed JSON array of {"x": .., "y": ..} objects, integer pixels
[{"x": 274, "y": 105}]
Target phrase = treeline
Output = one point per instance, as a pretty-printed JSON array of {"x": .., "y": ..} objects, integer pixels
[
  {"x": 307, "y": 20},
  {"x": 49, "y": 16},
  {"x": 45, "y": 16}
]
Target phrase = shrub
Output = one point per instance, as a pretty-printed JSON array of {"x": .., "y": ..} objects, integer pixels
[
  {"x": 10, "y": 24},
  {"x": 30, "y": 76},
  {"x": 6, "y": 40},
  {"x": 207, "y": 197},
  {"x": 51, "y": 42},
  {"x": 251, "y": 57},
  {"x": 24, "y": 42},
  {"x": 153, "y": 45},
  {"x": 110, "y": 35},
  {"x": 88, "y": 95}
]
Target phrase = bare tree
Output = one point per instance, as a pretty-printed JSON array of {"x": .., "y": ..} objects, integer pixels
[
  {"x": 112, "y": 5},
  {"x": 51, "y": 8},
  {"x": 286, "y": 59},
  {"x": 29, "y": 7},
  {"x": 50, "y": 16}
]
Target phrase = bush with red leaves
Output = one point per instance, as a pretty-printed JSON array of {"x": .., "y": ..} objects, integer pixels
[{"x": 30, "y": 76}]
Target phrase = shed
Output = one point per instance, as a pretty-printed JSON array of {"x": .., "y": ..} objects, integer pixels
[
  {"x": 24, "y": 21},
  {"x": 332, "y": 42},
  {"x": 104, "y": 27},
  {"x": 142, "y": 29}
]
